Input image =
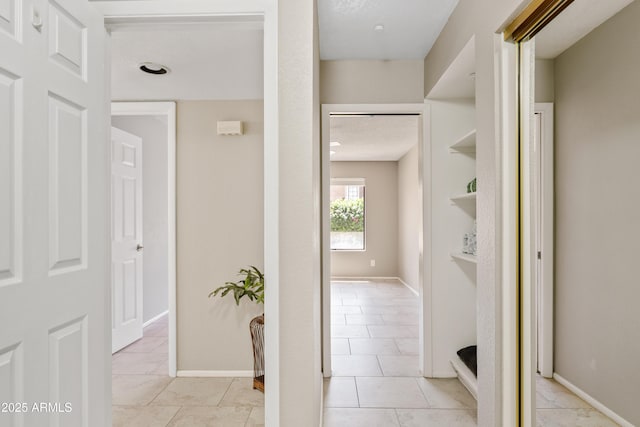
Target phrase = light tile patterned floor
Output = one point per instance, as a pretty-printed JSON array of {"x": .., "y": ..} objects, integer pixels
[
  {"x": 375, "y": 379},
  {"x": 145, "y": 396}
]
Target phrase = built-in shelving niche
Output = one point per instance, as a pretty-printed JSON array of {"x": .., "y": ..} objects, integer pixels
[{"x": 453, "y": 274}]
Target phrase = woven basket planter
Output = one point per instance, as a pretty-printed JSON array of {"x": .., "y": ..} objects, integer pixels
[{"x": 256, "y": 326}]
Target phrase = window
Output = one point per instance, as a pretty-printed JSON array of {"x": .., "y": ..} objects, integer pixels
[
  {"x": 353, "y": 192},
  {"x": 347, "y": 213}
]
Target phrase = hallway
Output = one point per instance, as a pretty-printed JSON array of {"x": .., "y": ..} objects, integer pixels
[
  {"x": 144, "y": 395},
  {"x": 375, "y": 378}
]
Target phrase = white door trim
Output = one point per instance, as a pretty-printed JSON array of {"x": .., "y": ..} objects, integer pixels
[
  {"x": 167, "y": 109},
  {"x": 545, "y": 167},
  {"x": 424, "y": 280},
  {"x": 528, "y": 326},
  {"x": 515, "y": 77},
  {"x": 157, "y": 11},
  {"x": 144, "y": 11},
  {"x": 506, "y": 63}
]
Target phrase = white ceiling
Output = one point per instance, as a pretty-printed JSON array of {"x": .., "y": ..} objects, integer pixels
[
  {"x": 373, "y": 138},
  {"x": 410, "y": 27},
  {"x": 225, "y": 60},
  {"x": 575, "y": 22},
  {"x": 214, "y": 61}
]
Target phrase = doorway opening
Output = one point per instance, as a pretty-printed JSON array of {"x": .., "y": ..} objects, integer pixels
[
  {"x": 149, "y": 251},
  {"x": 361, "y": 167},
  {"x": 373, "y": 219},
  {"x": 212, "y": 238},
  {"x": 379, "y": 319}
]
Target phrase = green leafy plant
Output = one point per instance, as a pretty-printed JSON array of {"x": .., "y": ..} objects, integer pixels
[
  {"x": 251, "y": 286},
  {"x": 347, "y": 215}
]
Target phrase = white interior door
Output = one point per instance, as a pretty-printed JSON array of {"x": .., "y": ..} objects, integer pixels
[
  {"x": 543, "y": 190},
  {"x": 535, "y": 183},
  {"x": 126, "y": 235},
  {"x": 54, "y": 230}
]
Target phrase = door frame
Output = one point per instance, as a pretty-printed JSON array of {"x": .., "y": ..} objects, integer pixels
[
  {"x": 506, "y": 69},
  {"x": 424, "y": 226},
  {"x": 206, "y": 11},
  {"x": 168, "y": 110},
  {"x": 515, "y": 105}
]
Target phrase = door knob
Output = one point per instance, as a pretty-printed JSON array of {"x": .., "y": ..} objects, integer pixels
[
  {"x": 36, "y": 19},
  {"x": 139, "y": 248}
]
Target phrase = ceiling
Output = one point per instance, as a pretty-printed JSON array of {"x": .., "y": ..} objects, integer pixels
[
  {"x": 411, "y": 27},
  {"x": 224, "y": 60},
  {"x": 214, "y": 61},
  {"x": 373, "y": 138},
  {"x": 575, "y": 22}
]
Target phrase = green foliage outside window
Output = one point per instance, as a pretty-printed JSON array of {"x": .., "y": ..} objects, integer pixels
[{"x": 347, "y": 215}]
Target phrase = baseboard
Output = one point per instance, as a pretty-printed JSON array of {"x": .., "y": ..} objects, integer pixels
[
  {"x": 370, "y": 278},
  {"x": 592, "y": 401},
  {"x": 321, "y": 393},
  {"x": 408, "y": 287},
  {"x": 216, "y": 374},
  {"x": 444, "y": 374},
  {"x": 465, "y": 376},
  {"x": 153, "y": 319},
  {"x": 358, "y": 278}
]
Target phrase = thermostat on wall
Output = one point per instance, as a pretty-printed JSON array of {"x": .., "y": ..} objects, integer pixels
[{"x": 230, "y": 128}]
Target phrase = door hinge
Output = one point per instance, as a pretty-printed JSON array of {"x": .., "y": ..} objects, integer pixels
[{"x": 539, "y": 255}]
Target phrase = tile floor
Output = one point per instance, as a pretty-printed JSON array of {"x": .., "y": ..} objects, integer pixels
[
  {"x": 145, "y": 396},
  {"x": 559, "y": 407},
  {"x": 375, "y": 379}
]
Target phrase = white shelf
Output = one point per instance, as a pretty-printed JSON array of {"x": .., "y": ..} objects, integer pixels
[
  {"x": 464, "y": 197},
  {"x": 466, "y": 377},
  {"x": 464, "y": 257},
  {"x": 466, "y": 144}
]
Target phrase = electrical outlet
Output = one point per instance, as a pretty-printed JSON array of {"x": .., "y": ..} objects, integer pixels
[{"x": 373, "y": 263}]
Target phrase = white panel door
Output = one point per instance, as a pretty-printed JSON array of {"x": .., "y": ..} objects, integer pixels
[
  {"x": 537, "y": 210},
  {"x": 543, "y": 216},
  {"x": 126, "y": 238},
  {"x": 54, "y": 229}
]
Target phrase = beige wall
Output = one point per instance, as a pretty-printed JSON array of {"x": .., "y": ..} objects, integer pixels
[
  {"x": 381, "y": 221},
  {"x": 597, "y": 149},
  {"x": 408, "y": 218},
  {"x": 544, "y": 80},
  {"x": 481, "y": 19},
  {"x": 220, "y": 230},
  {"x": 371, "y": 81}
]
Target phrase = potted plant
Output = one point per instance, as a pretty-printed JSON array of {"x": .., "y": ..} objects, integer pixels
[{"x": 251, "y": 285}]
